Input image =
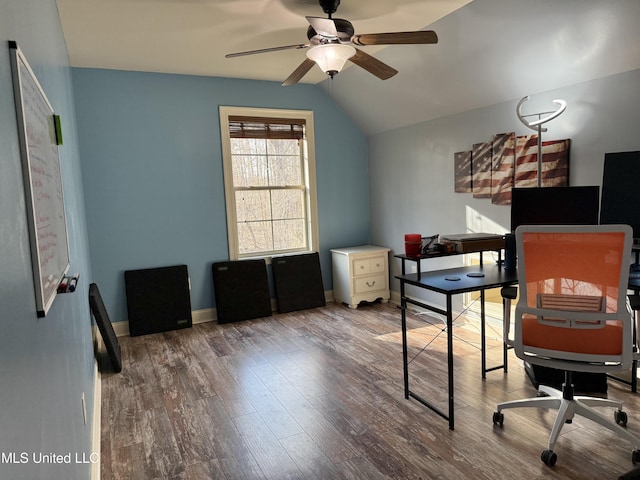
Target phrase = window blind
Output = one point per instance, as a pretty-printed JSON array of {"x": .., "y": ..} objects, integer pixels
[{"x": 265, "y": 127}]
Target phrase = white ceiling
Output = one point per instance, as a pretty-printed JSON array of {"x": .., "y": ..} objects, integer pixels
[
  {"x": 489, "y": 51},
  {"x": 193, "y": 36},
  {"x": 493, "y": 51}
]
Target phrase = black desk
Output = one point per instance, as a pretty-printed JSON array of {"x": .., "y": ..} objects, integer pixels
[
  {"x": 634, "y": 300},
  {"x": 436, "y": 254},
  {"x": 436, "y": 281}
]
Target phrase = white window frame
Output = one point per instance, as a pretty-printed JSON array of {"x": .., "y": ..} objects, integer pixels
[{"x": 309, "y": 172}]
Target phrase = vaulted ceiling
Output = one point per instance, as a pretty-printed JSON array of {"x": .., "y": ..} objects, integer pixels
[{"x": 489, "y": 51}]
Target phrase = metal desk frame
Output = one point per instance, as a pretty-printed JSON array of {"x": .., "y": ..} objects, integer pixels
[{"x": 494, "y": 276}]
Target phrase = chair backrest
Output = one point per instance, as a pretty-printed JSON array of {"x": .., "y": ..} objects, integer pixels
[{"x": 572, "y": 313}]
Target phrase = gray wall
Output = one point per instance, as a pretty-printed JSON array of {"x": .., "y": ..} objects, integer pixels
[
  {"x": 45, "y": 364},
  {"x": 412, "y": 168}
]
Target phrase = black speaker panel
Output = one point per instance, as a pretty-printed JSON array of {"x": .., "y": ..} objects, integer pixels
[
  {"x": 298, "y": 282},
  {"x": 241, "y": 290},
  {"x": 158, "y": 299}
]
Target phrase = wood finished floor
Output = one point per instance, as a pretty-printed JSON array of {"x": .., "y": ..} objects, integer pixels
[{"x": 318, "y": 394}]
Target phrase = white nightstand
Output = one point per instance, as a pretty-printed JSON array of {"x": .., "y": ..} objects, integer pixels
[{"x": 360, "y": 274}]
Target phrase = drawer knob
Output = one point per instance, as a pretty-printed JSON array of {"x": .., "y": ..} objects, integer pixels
[{"x": 371, "y": 284}]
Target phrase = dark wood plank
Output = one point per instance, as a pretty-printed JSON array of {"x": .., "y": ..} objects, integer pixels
[
  {"x": 272, "y": 457},
  {"x": 231, "y": 449},
  {"x": 318, "y": 394},
  {"x": 162, "y": 456}
]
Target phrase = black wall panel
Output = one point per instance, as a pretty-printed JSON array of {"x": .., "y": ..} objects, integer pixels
[
  {"x": 241, "y": 290},
  {"x": 298, "y": 282},
  {"x": 109, "y": 338},
  {"x": 158, "y": 299}
]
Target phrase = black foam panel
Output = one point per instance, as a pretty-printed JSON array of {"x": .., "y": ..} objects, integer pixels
[
  {"x": 109, "y": 338},
  {"x": 298, "y": 282},
  {"x": 241, "y": 290},
  {"x": 158, "y": 299}
]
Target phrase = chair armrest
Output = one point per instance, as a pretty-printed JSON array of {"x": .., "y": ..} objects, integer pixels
[
  {"x": 634, "y": 305},
  {"x": 508, "y": 294},
  {"x": 634, "y": 302}
]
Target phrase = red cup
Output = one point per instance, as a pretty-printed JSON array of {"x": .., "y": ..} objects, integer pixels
[{"x": 412, "y": 244}]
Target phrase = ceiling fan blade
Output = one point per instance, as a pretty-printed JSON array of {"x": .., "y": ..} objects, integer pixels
[
  {"x": 396, "y": 38},
  {"x": 299, "y": 72},
  {"x": 373, "y": 65},
  {"x": 265, "y": 50},
  {"x": 323, "y": 26}
]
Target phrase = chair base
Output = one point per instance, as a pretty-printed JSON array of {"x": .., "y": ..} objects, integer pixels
[{"x": 568, "y": 406}]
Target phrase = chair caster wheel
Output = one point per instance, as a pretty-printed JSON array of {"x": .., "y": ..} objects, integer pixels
[
  {"x": 498, "y": 418},
  {"x": 620, "y": 417},
  {"x": 549, "y": 457},
  {"x": 635, "y": 457}
]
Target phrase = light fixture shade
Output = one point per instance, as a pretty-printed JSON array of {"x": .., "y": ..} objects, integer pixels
[{"x": 331, "y": 57}]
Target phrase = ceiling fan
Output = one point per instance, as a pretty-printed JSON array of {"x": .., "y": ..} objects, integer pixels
[{"x": 332, "y": 42}]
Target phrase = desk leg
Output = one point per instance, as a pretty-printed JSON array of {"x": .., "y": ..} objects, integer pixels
[
  {"x": 405, "y": 365},
  {"x": 450, "y": 358},
  {"x": 505, "y": 356},
  {"x": 483, "y": 331},
  {"x": 634, "y": 364}
]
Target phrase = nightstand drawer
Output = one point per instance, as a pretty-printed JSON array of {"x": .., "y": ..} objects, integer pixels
[
  {"x": 365, "y": 266},
  {"x": 378, "y": 264},
  {"x": 369, "y": 284}
]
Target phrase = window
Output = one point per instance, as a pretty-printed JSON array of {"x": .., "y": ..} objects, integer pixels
[{"x": 269, "y": 178}]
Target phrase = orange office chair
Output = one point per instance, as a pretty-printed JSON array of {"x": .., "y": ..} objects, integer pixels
[{"x": 572, "y": 315}]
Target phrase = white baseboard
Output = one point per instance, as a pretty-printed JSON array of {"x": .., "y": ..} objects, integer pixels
[
  {"x": 96, "y": 421},
  {"x": 395, "y": 297},
  {"x": 121, "y": 329},
  {"x": 204, "y": 315}
]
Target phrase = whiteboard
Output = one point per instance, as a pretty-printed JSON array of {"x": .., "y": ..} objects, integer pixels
[{"x": 42, "y": 182}]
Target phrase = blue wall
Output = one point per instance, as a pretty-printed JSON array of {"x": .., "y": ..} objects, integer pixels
[
  {"x": 45, "y": 364},
  {"x": 152, "y": 169}
]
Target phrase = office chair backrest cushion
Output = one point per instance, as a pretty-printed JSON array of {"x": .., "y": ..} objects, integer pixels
[
  {"x": 573, "y": 271},
  {"x": 605, "y": 341}
]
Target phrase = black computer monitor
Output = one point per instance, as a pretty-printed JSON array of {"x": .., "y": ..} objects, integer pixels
[
  {"x": 554, "y": 206},
  {"x": 620, "y": 201}
]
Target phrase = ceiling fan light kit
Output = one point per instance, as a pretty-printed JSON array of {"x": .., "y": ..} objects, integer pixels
[
  {"x": 331, "y": 57},
  {"x": 331, "y": 44}
]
